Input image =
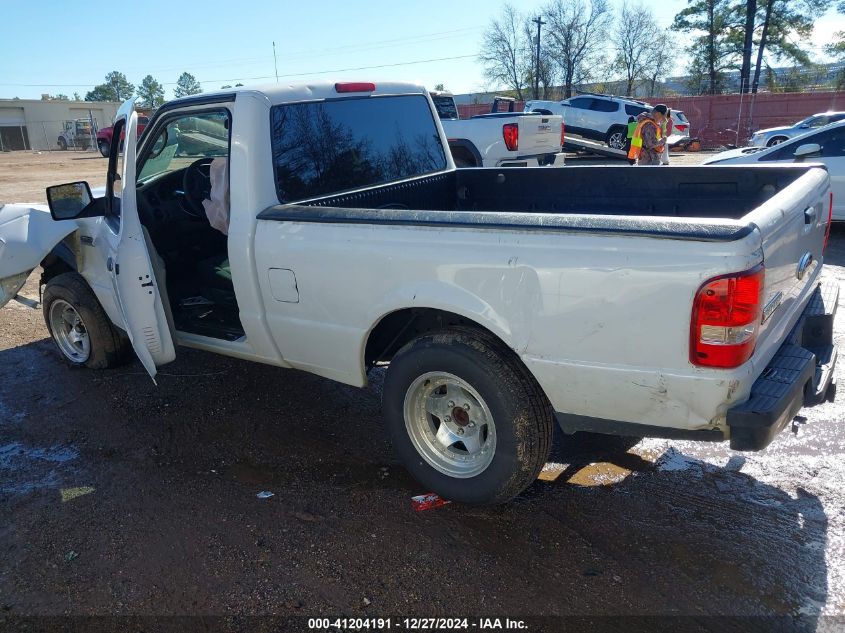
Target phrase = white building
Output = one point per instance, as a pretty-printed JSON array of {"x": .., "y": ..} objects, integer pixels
[{"x": 37, "y": 124}]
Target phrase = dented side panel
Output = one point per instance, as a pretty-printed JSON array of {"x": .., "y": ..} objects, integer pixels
[{"x": 27, "y": 235}]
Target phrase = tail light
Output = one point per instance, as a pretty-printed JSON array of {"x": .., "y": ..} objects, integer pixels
[
  {"x": 726, "y": 319},
  {"x": 510, "y": 132},
  {"x": 562, "y": 134},
  {"x": 680, "y": 127},
  {"x": 352, "y": 86},
  {"x": 829, "y": 222}
]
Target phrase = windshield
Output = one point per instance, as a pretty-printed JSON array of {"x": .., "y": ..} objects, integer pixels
[{"x": 185, "y": 140}]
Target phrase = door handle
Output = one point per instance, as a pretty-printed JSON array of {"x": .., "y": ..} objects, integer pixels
[{"x": 809, "y": 215}]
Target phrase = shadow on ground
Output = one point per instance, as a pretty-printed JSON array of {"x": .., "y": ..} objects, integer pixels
[{"x": 173, "y": 524}]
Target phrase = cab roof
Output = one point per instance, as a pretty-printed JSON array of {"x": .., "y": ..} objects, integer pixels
[{"x": 279, "y": 93}]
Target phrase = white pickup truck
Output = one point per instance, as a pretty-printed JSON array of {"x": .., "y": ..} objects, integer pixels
[
  {"x": 677, "y": 303},
  {"x": 501, "y": 139}
]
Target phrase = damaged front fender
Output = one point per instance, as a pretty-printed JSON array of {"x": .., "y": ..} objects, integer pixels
[{"x": 27, "y": 235}]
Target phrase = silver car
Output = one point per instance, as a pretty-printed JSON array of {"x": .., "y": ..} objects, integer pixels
[{"x": 774, "y": 135}]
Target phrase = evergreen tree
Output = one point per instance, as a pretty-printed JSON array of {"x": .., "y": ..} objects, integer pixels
[
  {"x": 151, "y": 92},
  {"x": 186, "y": 85},
  {"x": 716, "y": 45},
  {"x": 115, "y": 88}
]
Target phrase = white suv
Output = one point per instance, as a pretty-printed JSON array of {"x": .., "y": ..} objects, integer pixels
[{"x": 601, "y": 117}]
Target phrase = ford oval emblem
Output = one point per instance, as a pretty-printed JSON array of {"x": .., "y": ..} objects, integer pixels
[{"x": 803, "y": 265}]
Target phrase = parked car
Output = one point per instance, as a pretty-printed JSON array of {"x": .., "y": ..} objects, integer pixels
[
  {"x": 774, "y": 135},
  {"x": 604, "y": 117},
  {"x": 104, "y": 135},
  {"x": 682, "y": 305},
  {"x": 825, "y": 146},
  {"x": 501, "y": 138}
]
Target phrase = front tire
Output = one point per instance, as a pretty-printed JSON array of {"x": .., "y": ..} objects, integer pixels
[
  {"x": 78, "y": 325},
  {"x": 62, "y": 144},
  {"x": 104, "y": 148},
  {"x": 465, "y": 416}
]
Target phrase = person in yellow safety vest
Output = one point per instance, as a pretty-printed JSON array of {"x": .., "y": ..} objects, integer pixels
[
  {"x": 668, "y": 128},
  {"x": 632, "y": 126},
  {"x": 647, "y": 142}
]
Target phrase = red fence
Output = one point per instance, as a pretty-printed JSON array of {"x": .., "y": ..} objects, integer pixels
[{"x": 714, "y": 118}]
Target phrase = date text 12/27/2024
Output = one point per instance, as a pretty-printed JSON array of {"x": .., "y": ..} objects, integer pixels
[{"x": 417, "y": 624}]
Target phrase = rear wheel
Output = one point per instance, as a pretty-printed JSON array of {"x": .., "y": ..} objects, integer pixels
[
  {"x": 616, "y": 138},
  {"x": 79, "y": 326},
  {"x": 104, "y": 148},
  {"x": 462, "y": 156},
  {"x": 62, "y": 143},
  {"x": 466, "y": 418}
]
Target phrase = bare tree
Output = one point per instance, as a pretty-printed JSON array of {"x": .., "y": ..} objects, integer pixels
[
  {"x": 635, "y": 45},
  {"x": 658, "y": 60},
  {"x": 548, "y": 67},
  {"x": 577, "y": 31},
  {"x": 503, "y": 52}
]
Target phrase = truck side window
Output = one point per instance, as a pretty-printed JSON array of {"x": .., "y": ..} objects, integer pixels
[
  {"x": 830, "y": 140},
  {"x": 325, "y": 147},
  {"x": 833, "y": 146},
  {"x": 114, "y": 184},
  {"x": 186, "y": 139}
]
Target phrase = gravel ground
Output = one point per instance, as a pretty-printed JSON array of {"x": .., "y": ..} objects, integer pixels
[
  {"x": 121, "y": 497},
  {"x": 24, "y": 175}
]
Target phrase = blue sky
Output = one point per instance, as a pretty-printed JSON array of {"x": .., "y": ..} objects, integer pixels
[{"x": 223, "y": 42}]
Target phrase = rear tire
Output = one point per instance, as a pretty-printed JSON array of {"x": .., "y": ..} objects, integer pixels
[
  {"x": 616, "y": 138},
  {"x": 104, "y": 148},
  {"x": 62, "y": 144},
  {"x": 78, "y": 325},
  {"x": 491, "y": 431}
]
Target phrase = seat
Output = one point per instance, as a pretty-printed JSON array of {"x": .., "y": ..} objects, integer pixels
[{"x": 215, "y": 276}]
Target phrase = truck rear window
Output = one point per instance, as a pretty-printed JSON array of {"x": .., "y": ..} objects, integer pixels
[
  {"x": 445, "y": 107},
  {"x": 327, "y": 147}
]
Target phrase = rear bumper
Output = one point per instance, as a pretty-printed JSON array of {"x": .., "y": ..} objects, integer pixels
[{"x": 799, "y": 375}]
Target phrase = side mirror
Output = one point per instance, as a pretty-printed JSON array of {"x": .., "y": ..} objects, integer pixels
[
  {"x": 808, "y": 149},
  {"x": 69, "y": 201}
]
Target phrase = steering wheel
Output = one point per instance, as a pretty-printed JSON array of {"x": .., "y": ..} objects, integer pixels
[{"x": 196, "y": 184}]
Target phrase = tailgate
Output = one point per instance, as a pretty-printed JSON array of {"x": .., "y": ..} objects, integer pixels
[
  {"x": 539, "y": 134},
  {"x": 792, "y": 225}
]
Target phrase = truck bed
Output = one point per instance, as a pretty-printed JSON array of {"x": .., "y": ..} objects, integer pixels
[{"x": 569, "y": 199}]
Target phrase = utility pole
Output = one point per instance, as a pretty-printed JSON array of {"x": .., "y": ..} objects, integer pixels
[
  {"x": 275, "y": 65},
  {"x": 539, "y": 22}
]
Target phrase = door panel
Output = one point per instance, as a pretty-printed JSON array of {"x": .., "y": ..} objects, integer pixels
[{"x": 121, "y": 239}]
